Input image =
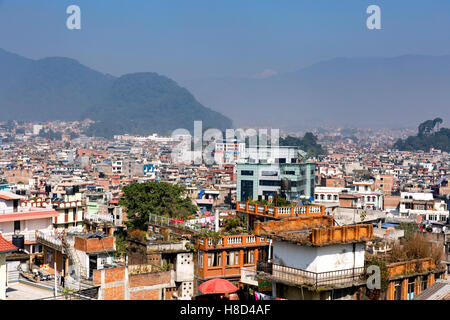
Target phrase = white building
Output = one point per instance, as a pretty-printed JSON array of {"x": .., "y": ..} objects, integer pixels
[{"x": 423, "y": 204}]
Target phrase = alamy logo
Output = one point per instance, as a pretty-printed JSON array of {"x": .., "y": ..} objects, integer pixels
[
  {"x": 374, "y": 20},
  {"x": 73, "y": 22},
  {"x": 374, "y": 280}
]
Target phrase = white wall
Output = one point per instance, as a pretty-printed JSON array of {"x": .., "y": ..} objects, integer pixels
[
  {"x": 318, "y": 259},
  {"x": 185, "y": 267}
]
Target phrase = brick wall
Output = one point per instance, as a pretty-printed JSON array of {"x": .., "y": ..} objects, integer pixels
[
  {"x": 149, "y": 279},
  {"x": 117, "y": 284},
  {"x": 93, "y": 245}
]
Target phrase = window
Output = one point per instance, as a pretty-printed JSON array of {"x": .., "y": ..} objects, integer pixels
[
  {"x": 246, "y": 172},
  {"x": 398, "y": 290},
  {"x": 232, "y": 258},
  {"x": 411, "y": 283},
  {"x": 246, "y": 189},
  {"x": 291, "y": 173},
  {"x": 423, "y": 283},
  {"x": 272, "y": 183},
  {"x": 16, "y": 226},
  {"x": 200, "y": 259},
  {"x": 269, "y": 173},
  {"x": 214, "y": 259},
  {"x": 249, "y": 257}
]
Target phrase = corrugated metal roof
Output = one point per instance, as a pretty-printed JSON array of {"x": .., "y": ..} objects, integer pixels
[{"x": 440, "y": 290}]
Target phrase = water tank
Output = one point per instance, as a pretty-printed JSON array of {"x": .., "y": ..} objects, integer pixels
[
  {"x": 18, "y": 241},
  {"x": 285, "y": 184}
]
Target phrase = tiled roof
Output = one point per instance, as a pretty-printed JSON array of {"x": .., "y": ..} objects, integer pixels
[
  {"x": 31, "y": 215},
  {"x": 6, "y": 246}
]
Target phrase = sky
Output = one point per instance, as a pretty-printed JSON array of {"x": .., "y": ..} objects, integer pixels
[{"x": 193, "y": 39}]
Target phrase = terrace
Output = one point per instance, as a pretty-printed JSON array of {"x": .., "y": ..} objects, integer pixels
[
  {"x": 228, "y": 242},
  {"x": 278, "y": 212},
  {"x": 317, "y": 280}
]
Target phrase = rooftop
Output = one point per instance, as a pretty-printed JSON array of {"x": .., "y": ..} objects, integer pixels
[
  {"x": 314, "y": 231},
  {"x": 6, "y": 246}
]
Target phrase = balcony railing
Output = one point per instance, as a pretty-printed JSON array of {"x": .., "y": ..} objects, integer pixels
[
  {"x": 99, "y": 218},
  {"x": 206, "y": 243},
  {"x": 330, "y": 279},
  {"x": 279, "y": 212},
  {"x": 52, "y": 239}
]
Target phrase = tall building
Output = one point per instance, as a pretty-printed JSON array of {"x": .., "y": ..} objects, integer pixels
[{"x": 264, "y": 179}]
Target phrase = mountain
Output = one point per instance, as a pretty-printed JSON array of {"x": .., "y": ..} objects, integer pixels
[
  {"x": 356, "y": 92},
  {"x": 63, "y": 89},
  {"x": 148, "y": 102}
]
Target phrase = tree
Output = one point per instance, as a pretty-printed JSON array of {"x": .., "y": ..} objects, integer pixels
[
  {"x": 160, "y": 198},
  {"x": 436, "y": 123}
]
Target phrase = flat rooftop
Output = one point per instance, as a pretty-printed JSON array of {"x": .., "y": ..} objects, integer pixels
[{"x": 23, "y": 291}]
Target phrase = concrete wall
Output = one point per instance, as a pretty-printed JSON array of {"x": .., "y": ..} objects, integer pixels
[
  {"x": 318, "y": 259},
  {"x": 3, "y": 276}
]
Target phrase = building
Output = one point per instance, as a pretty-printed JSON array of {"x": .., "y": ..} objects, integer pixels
[
  {"x": 225, "y": 257},
  {"x": 362, "y": 196},
  {"x": 228, "y": 151},
  {"x": 423, "y": 204},
  {"x": 251, "y": 211},
  {"x": 313, "y": 259},
  {"x": 5, "y": 248},
  {"x": 21, "y": 221},
  {"x": 264, "y": 180}
]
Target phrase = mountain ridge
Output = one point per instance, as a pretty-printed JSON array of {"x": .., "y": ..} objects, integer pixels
[{"x": 60, "y": 88}]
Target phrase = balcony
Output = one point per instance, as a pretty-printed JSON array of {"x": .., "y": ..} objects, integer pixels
[
  {"x": 29, "y": 237},
  {"x": 50, "y": 239},
  {"x": 279, "y": 212},
  {"x": 226, "y": 242},
  {"x": 99, "y": 218},
  {"x": 317, "y": 280}
]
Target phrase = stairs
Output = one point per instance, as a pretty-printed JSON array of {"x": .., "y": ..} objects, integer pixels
[{"x": 73, "y": 256}]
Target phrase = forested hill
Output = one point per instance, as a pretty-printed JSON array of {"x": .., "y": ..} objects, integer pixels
[
  {"x": 63, "y": 89},
  {"x": 429, "y": 136}
]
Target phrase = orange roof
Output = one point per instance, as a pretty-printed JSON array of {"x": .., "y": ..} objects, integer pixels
[
  {"x": 28, "y": 215},
  {"x": 6, "y": 246},
  {"x": 5, "y": 195}
]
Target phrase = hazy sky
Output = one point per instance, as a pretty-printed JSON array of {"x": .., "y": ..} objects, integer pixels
[{"x": 186, "y": 39}]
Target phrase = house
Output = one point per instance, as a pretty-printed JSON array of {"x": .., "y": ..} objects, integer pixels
[
  {"x": 313, "y": 259},
  {"x": 226, "y": 256},
  {"x": 20, "y": 221},
  {"x": 5, "y": 248}
]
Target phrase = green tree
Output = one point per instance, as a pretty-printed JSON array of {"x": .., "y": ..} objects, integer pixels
[{"x": 160, "y": 198}]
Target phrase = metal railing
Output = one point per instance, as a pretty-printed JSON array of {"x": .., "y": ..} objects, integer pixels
[
  {"x": 170, "y": 222},
  {"x": 50, "y": 237},
  {"x": 338, "y": 278}
]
